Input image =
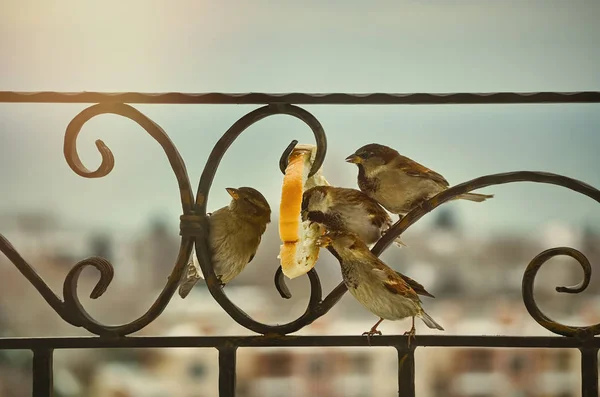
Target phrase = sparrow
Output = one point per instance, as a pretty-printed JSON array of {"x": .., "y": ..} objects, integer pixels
[
  {"x": 339, "y": 208},
  {"x": 398, "y": 183},
  {"x": 235, "y": 232},
  {"x": 386, "y": 293}
]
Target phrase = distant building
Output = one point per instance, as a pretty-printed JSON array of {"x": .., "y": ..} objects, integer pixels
[
  {"x": 446, "y": 219},
  {"x": 156, "y": 254},
  {"x": 101, "y": 245}
]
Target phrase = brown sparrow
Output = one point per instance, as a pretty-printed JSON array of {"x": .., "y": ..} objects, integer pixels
[
  {"x": 234, "y": 236},
  {"x": 398, "y": 183},
  {"x": 386, "y": 293},
  {"x": 339, "y": 208}
]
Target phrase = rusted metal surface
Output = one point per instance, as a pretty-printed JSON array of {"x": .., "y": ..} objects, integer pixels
[
  {"x": 193, "y": 231},
  {"x": 254, "y": 98},
  {"x": 589, "y": 372},
  {"x": 313, "y": 310},
  {"x": 395, "y": 341},
  {"x": 406, "y": 371},
  {"x": 227, "y": 363},
  {"x": 43, "y": 372}
]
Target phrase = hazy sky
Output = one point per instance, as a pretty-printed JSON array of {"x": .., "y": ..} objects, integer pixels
[{"x": 308, "y": 46}]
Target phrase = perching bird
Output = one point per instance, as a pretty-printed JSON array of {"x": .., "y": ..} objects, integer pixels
[
  {"x": 398, "y": 183},
  {"x": 339, "y": 208},
  {"x": 385, "y": 292},
  {"x": 234, "y": 236}
]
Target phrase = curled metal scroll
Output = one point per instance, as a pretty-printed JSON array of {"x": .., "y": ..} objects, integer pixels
[
  {"x": 194, "y": 226},
  {"x": 312, "y": 311},
  {"x": 71, "y": 309},
  {"x": 531, "y": 304},
  {"x": 490, "y": 180}
]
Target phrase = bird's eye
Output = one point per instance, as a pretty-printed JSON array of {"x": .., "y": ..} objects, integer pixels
[{"x": 365, "y": 155}]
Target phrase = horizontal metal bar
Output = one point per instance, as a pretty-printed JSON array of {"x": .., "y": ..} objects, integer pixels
[
  {"x": 293, "y": 341},
  {"x": 301, "y": 98}
]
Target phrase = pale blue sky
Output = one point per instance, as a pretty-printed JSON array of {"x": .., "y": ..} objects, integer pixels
[{"x": 310, "y": 46}]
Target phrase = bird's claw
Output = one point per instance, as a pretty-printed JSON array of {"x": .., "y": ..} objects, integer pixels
[
  {"x": 370, "y": 333},
  {"x": 411, "y": 334},
  {"x": 425, "y": 205}
]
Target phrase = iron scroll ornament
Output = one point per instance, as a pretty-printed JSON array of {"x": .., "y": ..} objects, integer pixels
[
  {"x": 70, "y": 309},
  {"x": 531, "y": 271},
  {"x": 194, "y": 227}
]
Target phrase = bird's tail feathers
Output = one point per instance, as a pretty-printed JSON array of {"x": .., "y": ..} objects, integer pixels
[
  {"x": 430, "y": 322},
  {"x": 475, "y": 197},
  {"x": 193, "y": 273},
  {"x": 399, "y": 243}
]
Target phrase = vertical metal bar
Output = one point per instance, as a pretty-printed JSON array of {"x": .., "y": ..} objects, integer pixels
[
  {"x": 227, "y": 364},
  {"x": 406, "y": 371},
  {"x": 589, "y": 372},
  {"x": 43, "y": 382}
]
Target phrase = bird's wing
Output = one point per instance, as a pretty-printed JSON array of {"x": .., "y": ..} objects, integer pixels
[
  {"x": 394, "y": 283},
  {"x": 412, "y": 168},
  {"x": 257, "y": 245},
  {"x": 330, "y": 220},
  {"x": 419, "y": 289},
  {"x": 377, "y": 214},
  {"x": 381, "y": 219}
]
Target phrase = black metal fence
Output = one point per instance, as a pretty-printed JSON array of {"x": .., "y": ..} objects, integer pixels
[{"x": 193, "y": 228}]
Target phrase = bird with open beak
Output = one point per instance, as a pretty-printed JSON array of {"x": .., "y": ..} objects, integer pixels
[
  {"x": 386, "y": 293},
  {"x": 339, "y": 208},
  {"x": 398, "y": 183},
  {"x": 234, "y": 236}
]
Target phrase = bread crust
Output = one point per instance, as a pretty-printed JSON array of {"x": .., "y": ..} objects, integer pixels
[{"x": 298, "y": 252}]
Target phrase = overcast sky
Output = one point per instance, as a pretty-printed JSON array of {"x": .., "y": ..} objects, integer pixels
[{"x": 306, "y": 46}]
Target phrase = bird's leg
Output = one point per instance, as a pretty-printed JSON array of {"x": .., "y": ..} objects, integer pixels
[
  {"x": 221, "y": 283},
  {"x": 411, "y": 332},
  {"x": 372, "y": 331}
]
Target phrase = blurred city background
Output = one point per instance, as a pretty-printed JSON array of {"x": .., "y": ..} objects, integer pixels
[{"x": 470, "y": 256}]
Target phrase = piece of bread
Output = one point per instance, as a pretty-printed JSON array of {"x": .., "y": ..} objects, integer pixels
[{"x": 298, "y": 253}]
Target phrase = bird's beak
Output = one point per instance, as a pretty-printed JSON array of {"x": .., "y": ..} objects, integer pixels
[
  {"x": 354, "y": 159},
  {"x": 233, "y": 192},
  {"x": 323, "y": 241}
]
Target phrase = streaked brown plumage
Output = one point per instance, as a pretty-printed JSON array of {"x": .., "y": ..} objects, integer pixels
[
  {"x": 234, "y": 236},
  {"x": 386, "y": 293},
  {"x": 396, "y": 182},
  {"x": 339, "y": 208}
]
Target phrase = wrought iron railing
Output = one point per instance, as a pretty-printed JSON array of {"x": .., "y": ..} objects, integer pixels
[{"x": 193, "y": 226}]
